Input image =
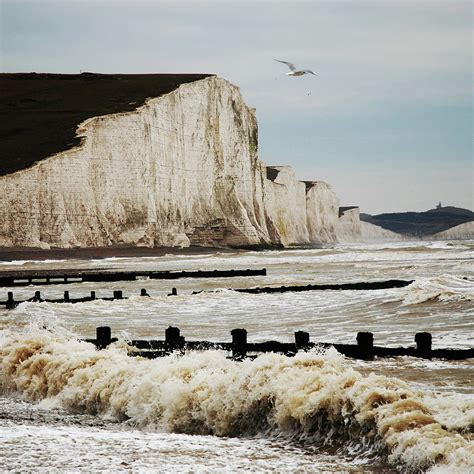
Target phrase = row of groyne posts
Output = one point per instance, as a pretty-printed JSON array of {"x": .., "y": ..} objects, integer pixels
[
  {"x": 22, "y": 279},
  {"x": 239, "y": 347},
  {"x": 27, "y": 278},
  {"x": 11, "y": 303},
  {"x": 242, "y": 349}
]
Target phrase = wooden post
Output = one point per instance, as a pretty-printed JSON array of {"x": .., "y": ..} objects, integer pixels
[
  {"x": 239, "y": 343},
  {"x": 118, "y": 295},
  {"x": 173, "y": 339},
  {"x": 174, "y": 292},
  {"x": 103, "y": 337},
  {"x": 10, "y": 301},
  {"x": 92, "y": 295},
  {"x": 143, "y": 292},
  {"x": 423, "y": 344},
  {"x": 37, "y": 296},
  {"x": 66, "y": 296},
  {"x": 365, "y": 343},
  {"x": 301, "y": 340}
]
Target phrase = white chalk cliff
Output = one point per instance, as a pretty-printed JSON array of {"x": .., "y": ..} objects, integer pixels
[
  {"x": 460, "y": 232},
  {"x": 180, "y": 170},
  {"x": 351, "y": 229}
]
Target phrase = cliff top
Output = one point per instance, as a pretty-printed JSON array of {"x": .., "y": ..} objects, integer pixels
[{"x": 39, "y": 113}]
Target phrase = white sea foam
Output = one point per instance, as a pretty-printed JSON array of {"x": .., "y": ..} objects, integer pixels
[
  {"x": 440, "y": 301},
  {"x": 443, "y": 288},
  {"x": 313, "y": 397}
]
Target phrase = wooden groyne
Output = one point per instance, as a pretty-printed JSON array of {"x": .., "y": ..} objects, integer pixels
[
  {"x": 59, "y": 278},
  {"x": 370, "y": 285},
  {"x": 11, "y": 303},
  {"x": 240, "y": 348}
]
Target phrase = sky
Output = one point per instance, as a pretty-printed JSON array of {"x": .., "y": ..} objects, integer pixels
[{"x": 387, "y": 121}]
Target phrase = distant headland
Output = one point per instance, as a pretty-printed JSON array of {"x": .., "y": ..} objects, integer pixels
[{"x": 423, "y": 224}]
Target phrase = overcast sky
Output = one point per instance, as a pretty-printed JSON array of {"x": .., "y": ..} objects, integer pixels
[{"x": 387, "y": 121}]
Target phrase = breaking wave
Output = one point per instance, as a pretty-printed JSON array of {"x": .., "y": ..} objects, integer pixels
[
  {"x": 312, "y": 398},
  {"x": 445, "y": 288}
]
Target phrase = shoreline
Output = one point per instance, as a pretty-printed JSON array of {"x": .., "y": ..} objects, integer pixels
[{"x": 11, "y": 254}]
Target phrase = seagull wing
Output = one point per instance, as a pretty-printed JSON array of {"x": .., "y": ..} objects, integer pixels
[
  {"x": 308, "y": 71},
  {"x": 290, "y": 65}
]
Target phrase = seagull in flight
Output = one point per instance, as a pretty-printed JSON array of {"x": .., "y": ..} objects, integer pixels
[{"x": 293, "y": 71}]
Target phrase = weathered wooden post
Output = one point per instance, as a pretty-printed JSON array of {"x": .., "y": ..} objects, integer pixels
[
  {"x": 174, "y": 292},
  {"x": 10, "y": 301},
  {"x": 301, "y": 340},
  {"x": 423, "y": 344},
  {"x": 143, "y": 292},
  {"x": 239, "y": 343},
  {"x": 365, "y": 345},
  {"x": 92, "y": 295},
  {"x": 173, "y": 339},
  {"x": 66, "y": 296},
  {"x": 103, "y": 337},
  {"x": 118, "y": 295}
]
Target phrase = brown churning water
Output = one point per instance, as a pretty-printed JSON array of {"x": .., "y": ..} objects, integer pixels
[{"x": 202, "y": 411}]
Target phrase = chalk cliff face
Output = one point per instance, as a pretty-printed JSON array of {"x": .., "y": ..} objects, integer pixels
[
  {"x": 374, "y": 233},
  {"x": 351, "y": 229},
  {"x": 460, "y": 232},
  {"x": 286, "y": 223},
  {"x": 180, "y": 170},
  {"x": 348, "y": 227},
  {"x": 322, "y": 206}
]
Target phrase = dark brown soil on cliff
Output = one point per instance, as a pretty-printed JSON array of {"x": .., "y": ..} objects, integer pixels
[{"x": 39, "y": 113}]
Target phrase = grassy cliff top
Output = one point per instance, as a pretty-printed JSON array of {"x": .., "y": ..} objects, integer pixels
[{"x": 39, "y": 113}]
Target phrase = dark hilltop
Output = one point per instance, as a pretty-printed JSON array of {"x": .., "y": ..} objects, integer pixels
[
  {"x": 421, "y": 224},
  {"x": 39, "y": 113}
]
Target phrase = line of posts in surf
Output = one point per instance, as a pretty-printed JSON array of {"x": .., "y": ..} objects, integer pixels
[
  {"x": 242, "y": 349},
  {"x": 11, "y": 303}
]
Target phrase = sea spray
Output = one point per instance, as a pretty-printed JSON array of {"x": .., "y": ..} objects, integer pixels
[{"x": 310, "y": 397}]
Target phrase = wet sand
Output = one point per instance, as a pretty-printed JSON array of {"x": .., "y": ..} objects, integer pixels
[{"x": 16, "y": 253}]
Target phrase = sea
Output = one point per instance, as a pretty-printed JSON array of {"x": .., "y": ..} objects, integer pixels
[{"x": 67, "y": 407}]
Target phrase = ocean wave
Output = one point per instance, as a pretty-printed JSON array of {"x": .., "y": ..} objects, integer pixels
[
  {"x": 313, "y": 398},
  {"x": 445, "y": 288}
]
